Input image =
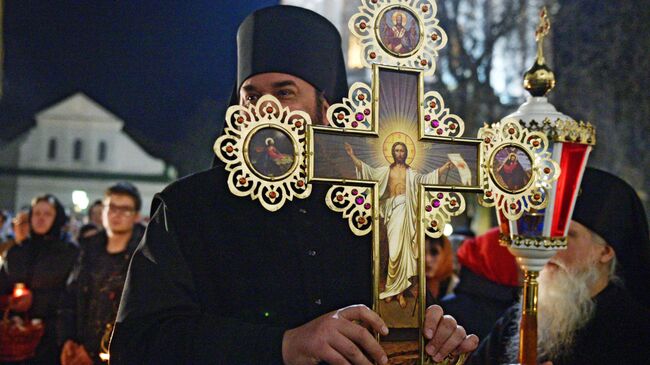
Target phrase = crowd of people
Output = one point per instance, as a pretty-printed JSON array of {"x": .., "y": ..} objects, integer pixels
[
  {"x": 216, "y": 279},
  {"x": 63, "y": 290}
]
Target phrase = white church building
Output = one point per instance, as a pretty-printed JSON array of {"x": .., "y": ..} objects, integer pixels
[{"x": 76, "y": 150}]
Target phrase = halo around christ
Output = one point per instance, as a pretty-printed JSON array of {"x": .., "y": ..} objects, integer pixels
[{"x": 398, "y": 137}]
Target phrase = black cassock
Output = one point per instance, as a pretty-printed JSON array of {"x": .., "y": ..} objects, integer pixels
[
  {"x": 217, "y": 279},
  {"x": 619, "y": 333}
]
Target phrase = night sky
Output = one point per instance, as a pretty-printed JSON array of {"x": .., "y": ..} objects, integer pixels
[{"x": 152, "y": 63}]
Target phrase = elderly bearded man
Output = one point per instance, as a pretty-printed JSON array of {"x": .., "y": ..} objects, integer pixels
[
  {"x": 219, "y": 280},
  {"x": 593, "y": 296}
]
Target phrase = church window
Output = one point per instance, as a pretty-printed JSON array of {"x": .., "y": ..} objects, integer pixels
[
  {"x": 76, "y": 152},
  {"x": 51, "y": 149},
  {"x": 101, "y": 153}
]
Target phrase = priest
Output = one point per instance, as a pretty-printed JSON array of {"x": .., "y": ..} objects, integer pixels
[
  {"x": 219, "y": 280},
  {"x": 593, "y": 306}
]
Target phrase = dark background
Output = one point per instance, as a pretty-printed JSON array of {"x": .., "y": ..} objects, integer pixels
[{"x": 165, "y": 67}]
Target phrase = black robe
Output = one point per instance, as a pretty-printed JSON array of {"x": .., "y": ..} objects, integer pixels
[
  {"x": 477, "y": 302},
  {"x": 619, "y": 333},
  {"x": 217, "y": 279}
]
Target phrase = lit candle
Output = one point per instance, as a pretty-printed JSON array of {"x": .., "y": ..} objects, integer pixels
[{"x": 19, "y": 290}]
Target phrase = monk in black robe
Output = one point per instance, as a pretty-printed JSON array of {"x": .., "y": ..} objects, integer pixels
[
  {"x": 219, "y": 280},
  {"x": 593, "y": 297}
]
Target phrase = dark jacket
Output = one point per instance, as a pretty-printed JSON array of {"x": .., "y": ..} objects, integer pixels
[
  {"x": 43, "y": 265},
  {"x": 619, "y": 333},
  {"x": 477, "y": 303},
  {"x": 94, "y": 290},
  {"x": 218, "y": 280}
]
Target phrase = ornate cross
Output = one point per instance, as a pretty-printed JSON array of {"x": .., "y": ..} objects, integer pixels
[
  {"x": 396, "y": 157},
  {"x": 398, "y": 161}
]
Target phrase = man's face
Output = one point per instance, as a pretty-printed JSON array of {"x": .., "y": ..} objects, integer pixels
[
  {"x": 119, "y": 213},
  {"x": 581, "y": 251},
  {"x": 96, "y": 215},
  {"x": 400, "y": 153},
  {"x": 398, "y": 20},
  {"x": 291, "y": 91}
]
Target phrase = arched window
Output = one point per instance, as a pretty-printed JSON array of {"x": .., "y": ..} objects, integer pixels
[
  {"x": 77, "y": 149},
  {"x": 101, "y": 152},
  {"x": 51, "y": 149}
]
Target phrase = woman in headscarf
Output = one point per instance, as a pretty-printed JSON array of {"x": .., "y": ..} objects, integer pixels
[
  {"x": 439, "y": 269},
  {"x": 42, "y": 263}
]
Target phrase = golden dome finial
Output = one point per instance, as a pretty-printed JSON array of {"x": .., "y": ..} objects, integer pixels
[{"x": 539, "y": 80}]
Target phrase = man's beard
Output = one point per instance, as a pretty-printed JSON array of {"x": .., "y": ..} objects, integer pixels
[{"x": 564, "y": 307}]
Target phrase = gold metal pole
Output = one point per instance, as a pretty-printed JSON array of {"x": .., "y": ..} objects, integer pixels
[{"x": 528, "y": 330}]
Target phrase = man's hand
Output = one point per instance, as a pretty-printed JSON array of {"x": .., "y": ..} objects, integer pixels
[
  {"x": 21, "y": 303},
  {"x": 444, "y": 336},
  {"x": 337, "y": 339},
  {"x": 443, "y": 170}
]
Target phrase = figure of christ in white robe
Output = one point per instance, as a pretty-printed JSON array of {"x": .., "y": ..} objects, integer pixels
[{"x": 399, "y": 214}]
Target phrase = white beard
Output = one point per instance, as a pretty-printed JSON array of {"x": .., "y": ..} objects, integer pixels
[{"x": 564, "y": 306}]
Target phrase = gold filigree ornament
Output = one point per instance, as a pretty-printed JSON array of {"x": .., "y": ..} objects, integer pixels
[
  {"x": 574, "y": 132},
  {"x": 400, "y": 33},
  {"x": 263, "y": 147},
  {"x": 516, "y": 191},
  {"x": 355, "y": 111},
  {"x": 438, "y": 121},
  {"x": 438, "y": 209},
  {"x": 357, "y": 205}
]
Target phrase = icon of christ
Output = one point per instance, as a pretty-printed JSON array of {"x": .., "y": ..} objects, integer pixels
[{"x": 398, "y": 191}]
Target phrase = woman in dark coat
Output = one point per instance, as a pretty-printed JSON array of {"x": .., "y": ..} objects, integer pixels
[{"x": 43, "y": 263}]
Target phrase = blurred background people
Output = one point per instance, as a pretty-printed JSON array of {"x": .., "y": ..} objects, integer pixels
[
  {"x": 94, "y": 220},
  {"x": 439, "y": 269},
  {"x": 95, "y": 286},
  {"x": 488, "y": 283},
  {"x": 42, "y": 262},
  {"x": 19, "y": 233}
]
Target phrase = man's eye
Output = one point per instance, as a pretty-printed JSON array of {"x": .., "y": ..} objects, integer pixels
[
  {"x": 251, "y": 98},
  {"x": 284, "y": 93}
]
